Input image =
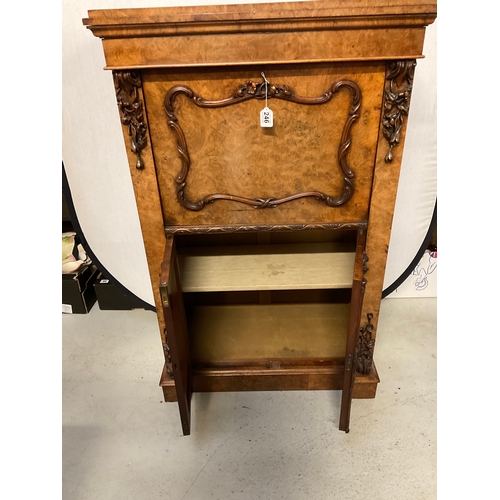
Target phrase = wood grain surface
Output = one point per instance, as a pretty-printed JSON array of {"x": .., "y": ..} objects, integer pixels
[
  {"x": 134, "y": 25},
  {"x": 265, "y": 48},
  {"x": 307, "y": 47},
  {"x": 383, "y": 199},
  {"x": 328, "y": 377},
  {"x": 266, "y": 267},
  {"x": 236, "y": 332},
  {"x": 231, "y": 153},
  {"x": 148, "y": 203}
]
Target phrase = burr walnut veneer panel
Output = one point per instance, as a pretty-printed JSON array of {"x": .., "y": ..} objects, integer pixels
[{"x": 230, "y": 153}]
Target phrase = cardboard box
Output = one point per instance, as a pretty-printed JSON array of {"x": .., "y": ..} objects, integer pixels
[
  {"x": 78, "y": 294},
  {"x": 112, "y": 298}
]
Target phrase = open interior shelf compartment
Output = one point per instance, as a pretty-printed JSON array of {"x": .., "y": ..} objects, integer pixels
[{"x": 267, "y": 298}]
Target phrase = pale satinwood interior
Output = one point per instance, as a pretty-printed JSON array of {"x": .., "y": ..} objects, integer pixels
[
  {"x": 267, "y": 267},
  {"x": 227, "y": 333}
]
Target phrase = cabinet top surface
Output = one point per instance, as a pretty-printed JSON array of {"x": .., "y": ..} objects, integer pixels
[{"x": 424, "y": 10}]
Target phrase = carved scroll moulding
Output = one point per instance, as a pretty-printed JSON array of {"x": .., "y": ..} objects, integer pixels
[{"x": 254, "y": 90}]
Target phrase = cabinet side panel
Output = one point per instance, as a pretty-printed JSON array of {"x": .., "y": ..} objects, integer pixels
[
  {"x": 132, "y": 108},
  {"x": 385, "y": 184}
]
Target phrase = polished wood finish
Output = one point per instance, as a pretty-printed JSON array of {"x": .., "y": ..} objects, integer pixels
[
  {"x": 254, "y": 17},
  {"x": 260, "y": 161},
  {"x": 358, "y": 289},
  {"x": 383, "y": 199},
  {"x": 190, "y": 85},
  {"x": 353, "y": 30},
  {"x": 323, "y": 378},
  {"x": 264, "y": 91},
  {"x": 147, "y": 197},
  {"x": 177, "y": 355}
]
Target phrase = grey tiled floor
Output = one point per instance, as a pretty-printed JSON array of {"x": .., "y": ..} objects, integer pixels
[{"x": 120, "y": 441}]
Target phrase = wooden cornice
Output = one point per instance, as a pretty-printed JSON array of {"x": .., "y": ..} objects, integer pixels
[
  {"x": 249, "y": 18},
  {"x": 271, "y": 33}
]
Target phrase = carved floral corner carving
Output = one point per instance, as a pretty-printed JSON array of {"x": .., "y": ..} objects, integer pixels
[
  {"x": 263, "y": 90},
  {"x": 399, "y": 85},
  {"x": 258, "y": 90},
  {"x": 131, "y": 110},
  {"x": 363, "y": 353}
]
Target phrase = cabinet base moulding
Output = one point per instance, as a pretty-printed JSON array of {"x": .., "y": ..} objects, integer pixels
[{"x": 269, "y": 379}]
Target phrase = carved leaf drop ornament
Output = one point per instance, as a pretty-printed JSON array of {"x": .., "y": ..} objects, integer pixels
[
  {"x": 254, "y": 90},
  {"x": 131, "y": 110},
  {"x": 399, "y": 85}
]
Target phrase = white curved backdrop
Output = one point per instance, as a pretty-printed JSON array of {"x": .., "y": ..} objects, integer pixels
[{"x": 97, "y": 169}]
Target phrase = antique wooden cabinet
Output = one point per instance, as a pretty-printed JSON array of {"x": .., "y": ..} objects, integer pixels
[{"x": 266, "y": 236}]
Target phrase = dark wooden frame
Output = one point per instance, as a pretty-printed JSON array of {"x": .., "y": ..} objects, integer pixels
[{"x": 176, "y": 349}]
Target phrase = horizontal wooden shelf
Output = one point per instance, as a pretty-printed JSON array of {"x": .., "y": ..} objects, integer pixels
[
  {"x": 267, "y": 267},
  {"x": 232, "y": 333}
]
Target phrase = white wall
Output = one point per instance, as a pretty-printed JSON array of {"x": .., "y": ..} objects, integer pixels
[{"x": 97, "y": 169}]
